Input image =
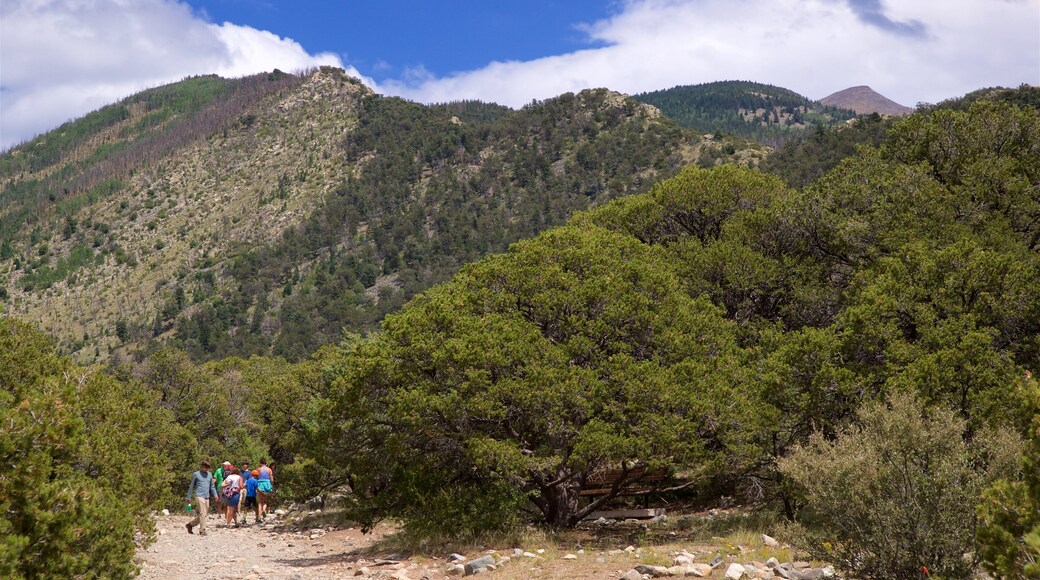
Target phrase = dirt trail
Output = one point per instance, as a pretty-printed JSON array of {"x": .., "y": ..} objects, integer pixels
[{"x": 265, "y": 551}]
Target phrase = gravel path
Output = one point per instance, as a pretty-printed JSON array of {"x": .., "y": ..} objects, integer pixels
[{"x": 264, "y": 551}]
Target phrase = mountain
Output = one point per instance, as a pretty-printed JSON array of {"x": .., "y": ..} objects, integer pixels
[
  {"x": 765, "y": 113},
  {"x": 865, "y": 100},
  {"x": 272, "y": 213}
]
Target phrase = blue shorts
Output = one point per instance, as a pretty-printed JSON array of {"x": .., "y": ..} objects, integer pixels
[{"x": 232, "y": 501}]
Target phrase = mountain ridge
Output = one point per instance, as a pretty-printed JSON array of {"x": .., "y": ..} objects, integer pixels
[{"x": 216, "y": 242}]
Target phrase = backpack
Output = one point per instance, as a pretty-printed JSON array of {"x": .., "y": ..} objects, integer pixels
[{"x": 232, "y": 488}]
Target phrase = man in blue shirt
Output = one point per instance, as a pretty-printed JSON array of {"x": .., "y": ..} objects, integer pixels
[{"x": 201, "y": 489}]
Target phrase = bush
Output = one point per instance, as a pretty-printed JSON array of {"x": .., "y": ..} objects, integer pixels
[
  {"x": 1009, "y": 514},
  {"x": 895, "y": 492},
  {"x": 56, "y": 519}
]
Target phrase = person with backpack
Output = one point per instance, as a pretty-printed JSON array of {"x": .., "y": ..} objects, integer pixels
[
  {"x": 231, "y": 491},
  {"x": 201, "y": 490}
]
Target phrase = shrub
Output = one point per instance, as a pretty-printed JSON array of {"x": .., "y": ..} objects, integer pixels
[
  {"x": 1009, "y": 514},
  {"x": 895, "y": 491}
]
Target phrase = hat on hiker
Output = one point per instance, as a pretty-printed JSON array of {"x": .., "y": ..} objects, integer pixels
[
  {"x": 227, "y": 463},
  {"x": 255, "y": 472}
]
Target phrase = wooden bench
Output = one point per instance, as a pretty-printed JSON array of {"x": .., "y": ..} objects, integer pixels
[{"x": 637, "y": 481}]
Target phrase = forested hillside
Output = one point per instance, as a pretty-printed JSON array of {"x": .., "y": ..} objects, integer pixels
[
  {"x": 855, "y": 354},
  {"x": 269, "y": 214},
  {"x": 765, "y": 113}
]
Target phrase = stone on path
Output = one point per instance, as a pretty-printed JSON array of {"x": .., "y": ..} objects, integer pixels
[
  {"x": 479, "y": 565},
  {"x": 632, "y": 575},
  {"x": 770, "y": 541},
  {"x": 455, "y": 558},
  {"x": 700, "y": 570},
  {"x": 455, "y": 570},
  {"x": 735, "y": 572},
  {"x": 570, "y": 557},
  {"x": 655, "y": 571}
]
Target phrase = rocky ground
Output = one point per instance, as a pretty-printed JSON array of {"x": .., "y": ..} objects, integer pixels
[{"x": 289, "y": 546}]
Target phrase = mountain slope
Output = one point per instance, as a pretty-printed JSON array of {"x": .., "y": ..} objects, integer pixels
[
  {"x": 233, "y": 225},
  {"x": 765, "y": 113},
  {"x": 865, "y": 100}
]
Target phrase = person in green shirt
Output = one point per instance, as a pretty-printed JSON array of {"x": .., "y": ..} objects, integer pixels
[{"x": 218, "y": 477}]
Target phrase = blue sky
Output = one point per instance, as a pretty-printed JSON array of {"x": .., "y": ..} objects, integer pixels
[
  {"x": 60, "y": 59},
  {"x": 389, "y": 39}
]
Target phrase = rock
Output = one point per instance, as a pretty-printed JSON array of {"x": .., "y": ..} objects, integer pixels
[
  {"x": 165, "y": 512},
  {"x": 772, "y": 563},
  {"x": 518, "y": 552},
  {"x": 770, "y": 541},
  {"x": 455, "y": 558},
  {"x": 828, "y": 571},
  {"x": 716, "y": 561},
  {"x": 529, "y": 555},
  {"x": 615, "y": 552},
  {"x": 683, "y": 560},
  {"x": 655, "y": 571},
  {"x": 734, "y": 572},
  {"x": 601, "y": 522},
  {"x": 400, "y": 575},
  {"x": 632, "y": 575},
  {"x": 540, "y": 550},
  {"x": 455, "y": 570},
  {"x": 362, "y": 571},
  {"x": 810, "y": 574},
  {"x": 570, "y": 557},
  {"x": 799, "y": 564},
  {"x": 677, "y": 570},
  {"x": 630, "y": 549},
  {"x": 699, "y": 570},
  {"x": 781, "y": 572},
  {"x": 279, "y": 512},
  {"x": 479, "y": 565}
]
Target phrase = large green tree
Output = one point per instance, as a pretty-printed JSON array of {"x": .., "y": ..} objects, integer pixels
[{"x": 505, "y": 389}]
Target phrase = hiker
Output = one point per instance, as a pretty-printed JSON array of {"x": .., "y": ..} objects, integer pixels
[
  {"x": 264, "y": 487},
  {"x": 231, "y": 491},
  {"x": 218, "y": 477},
  {"x": 246, "y": 477},
  {"x": 250, "y": 502},
  {"x": 201, "y": 489}
]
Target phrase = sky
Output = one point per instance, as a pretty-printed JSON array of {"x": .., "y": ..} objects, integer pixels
[{"x": 60, "y": 59}]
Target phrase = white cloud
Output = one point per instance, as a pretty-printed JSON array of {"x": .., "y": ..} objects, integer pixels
[
  {"x": 60, "y": 59},
  {"x": 926, "y": 50}
]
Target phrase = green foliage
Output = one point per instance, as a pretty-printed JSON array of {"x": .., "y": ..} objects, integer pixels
[
  {"x": 765, "y": 113},
  {"x": 59, "y": 517},
  {"x": 804, "y": 159},
  {"x": 433, "y": 193},
  {"x": 896, "y": 491},
  {"x": 575, "y": 351},
  {"x": 1009, "y": 513}
]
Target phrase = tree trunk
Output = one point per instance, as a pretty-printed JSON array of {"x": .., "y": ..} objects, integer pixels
[{"x": 559, "y": 502}]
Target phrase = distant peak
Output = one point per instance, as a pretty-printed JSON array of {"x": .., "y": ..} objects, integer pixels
[{"x": 865, "y": 100}]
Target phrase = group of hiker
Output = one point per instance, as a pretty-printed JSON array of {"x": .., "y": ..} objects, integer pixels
[{"x": 241, "y": 490}]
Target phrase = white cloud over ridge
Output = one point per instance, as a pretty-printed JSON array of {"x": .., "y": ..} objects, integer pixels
[
  {"x": 60, "y": 59},
  {"x": 921, "y": 51}
]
